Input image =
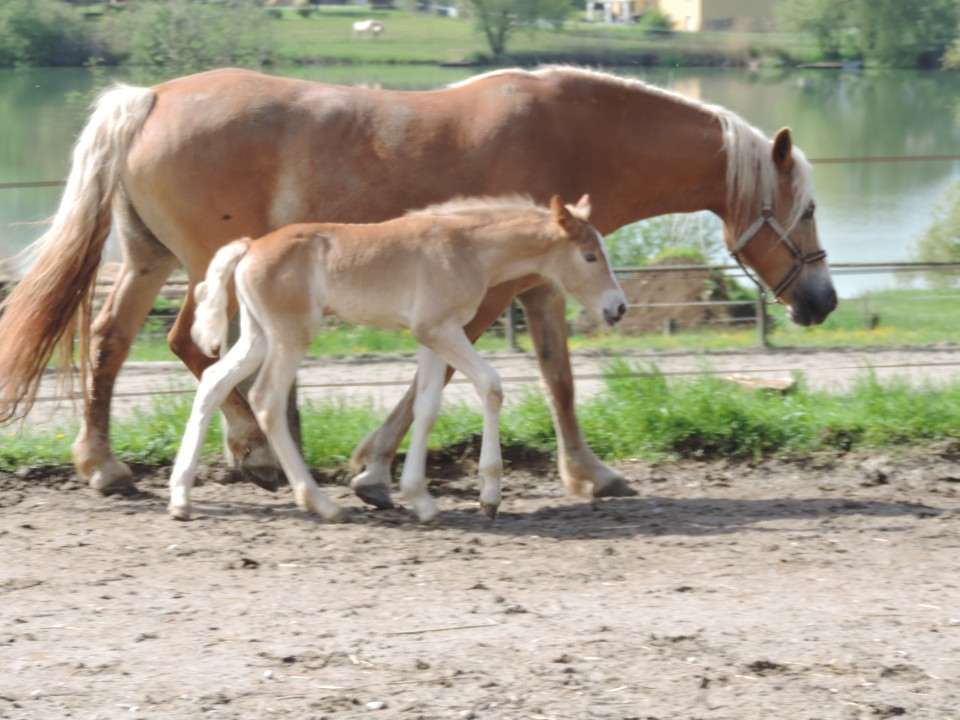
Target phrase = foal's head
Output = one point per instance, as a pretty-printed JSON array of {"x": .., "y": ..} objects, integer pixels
[{"x": 585, "y": 271}]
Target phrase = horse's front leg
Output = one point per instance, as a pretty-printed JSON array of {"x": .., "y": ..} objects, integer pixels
[
  {"x": 247, "y": 443},
  {"x": 581, "y": 471},
  {"x": 141, "y": 276},
  {"x": 374, "y": 455}
]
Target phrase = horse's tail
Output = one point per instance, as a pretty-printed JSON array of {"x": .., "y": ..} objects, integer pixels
[
  {"x": 55, "y": 296},
  {"x": 210, "y": 318}
]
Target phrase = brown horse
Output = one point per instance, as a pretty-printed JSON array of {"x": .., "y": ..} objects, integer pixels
[
  {"x": 189, "y": 165},
  {"x": 427, "y": 271}
]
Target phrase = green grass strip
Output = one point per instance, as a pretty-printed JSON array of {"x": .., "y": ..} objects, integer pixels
[{"x": 649, "y": 416}]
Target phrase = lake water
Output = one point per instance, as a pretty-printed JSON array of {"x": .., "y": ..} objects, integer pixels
[{"x": 871, "y": 212}]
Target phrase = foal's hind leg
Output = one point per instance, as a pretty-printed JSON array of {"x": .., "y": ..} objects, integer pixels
[
  {"x": 246, "y": 441},
  {"x": 268, "y": 397},
  {"x": 217, "y": 382},
  {"x": 145, "y": 268}
]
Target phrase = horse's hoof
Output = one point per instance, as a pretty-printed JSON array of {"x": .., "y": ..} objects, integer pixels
[
  {"x": 112, "y": 477},
  {"x": 376, "y": 495},
  {"x": 614, "y": 488},
  {"x": 490, "y": 510},
  {"x": 263, "y": 476},
  {"x": 123, "y": 486}
]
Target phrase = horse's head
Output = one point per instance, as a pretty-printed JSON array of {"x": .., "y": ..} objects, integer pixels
[
  {"x": 585, "y": 271},
  {"x": 777, "y": 237}
]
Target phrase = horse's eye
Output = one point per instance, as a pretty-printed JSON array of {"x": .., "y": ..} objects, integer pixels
[
  {"x": 808, "y": 213},
  {"x": 590, "y": 257}
]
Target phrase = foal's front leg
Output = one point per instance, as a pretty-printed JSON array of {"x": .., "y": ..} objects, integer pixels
[
  {"x": 372, "y": 458},
  {"x": 451, "y": 344}
]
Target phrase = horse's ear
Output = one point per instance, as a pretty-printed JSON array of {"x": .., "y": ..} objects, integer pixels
[
  {"x": 582, "y": 208},
  {"x": 783, "y": 150}
]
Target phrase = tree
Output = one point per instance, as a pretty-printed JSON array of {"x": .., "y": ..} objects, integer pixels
[
  {"x": 890, "y": 33},
  {"x": 906, "y": 34},
  {"x": 498, "y": 19},
  {"x": 826, "y": 20},
  {"x": 941, "y": 242}
]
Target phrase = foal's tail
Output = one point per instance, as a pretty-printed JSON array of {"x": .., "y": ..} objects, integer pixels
[
  {"x": 54, "y": 298},
  {"x": 210, "y": 318}
]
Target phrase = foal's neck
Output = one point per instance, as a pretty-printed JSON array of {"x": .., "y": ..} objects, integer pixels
[{"x": 510, "y": 255}]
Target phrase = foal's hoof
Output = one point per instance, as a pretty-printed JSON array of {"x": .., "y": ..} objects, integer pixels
[
  {"x": 179, "y": 513},
  {"x": 490, "y": 510},
  {"x": 614, "y": 488}
]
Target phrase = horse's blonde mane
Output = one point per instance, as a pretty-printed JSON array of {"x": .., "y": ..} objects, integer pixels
[
  {"x": 750, "y": 165},
  {"x": 459, "y": 205}
]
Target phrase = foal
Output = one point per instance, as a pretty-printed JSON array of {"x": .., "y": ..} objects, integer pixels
[{"x": 427, "y": 271}]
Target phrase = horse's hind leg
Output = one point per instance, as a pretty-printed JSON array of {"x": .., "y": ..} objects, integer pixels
[
  {"x": 581, "y": 470},
  {"x": 145, "y": 267}
]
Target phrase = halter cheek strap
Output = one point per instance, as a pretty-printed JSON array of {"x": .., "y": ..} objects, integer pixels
[{"x": 800, "y": 259}]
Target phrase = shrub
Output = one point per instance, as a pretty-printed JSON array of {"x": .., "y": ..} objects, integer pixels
[{"x": 42, "y": 32}]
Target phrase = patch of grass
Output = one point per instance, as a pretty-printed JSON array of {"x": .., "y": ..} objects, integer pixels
[{"x": 640, "y": 414}]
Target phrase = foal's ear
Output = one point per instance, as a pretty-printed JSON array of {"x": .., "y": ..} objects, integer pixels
[
  {"x": 561, "y": 213},
  {"x": 783, "y": 150},
  {"x": 582, "y": 208}
]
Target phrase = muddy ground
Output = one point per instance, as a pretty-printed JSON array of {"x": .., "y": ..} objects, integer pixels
[{"x": 814, "y": 588}]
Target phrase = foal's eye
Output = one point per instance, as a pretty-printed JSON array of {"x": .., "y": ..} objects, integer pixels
[{"x": 590, "y": 257}]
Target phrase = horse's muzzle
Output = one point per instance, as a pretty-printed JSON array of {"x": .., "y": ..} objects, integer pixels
[
  {"x": 811, "y": 304},
  {"x": 612, "y": 317}
]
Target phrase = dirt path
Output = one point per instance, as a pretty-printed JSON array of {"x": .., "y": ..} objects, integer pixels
[
  {"x": 815, "y": 589},
  {"x": 784, "y": 590}
]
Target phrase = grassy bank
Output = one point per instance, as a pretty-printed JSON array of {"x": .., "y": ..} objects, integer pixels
[
  {"x": 645, "y": 416},
  {"x": 323, "y": 35}
]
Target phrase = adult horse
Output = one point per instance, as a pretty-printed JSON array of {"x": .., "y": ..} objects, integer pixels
[{"x": 191, "y": 164}]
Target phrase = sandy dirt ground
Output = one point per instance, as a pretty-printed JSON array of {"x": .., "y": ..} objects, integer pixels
[{"x": 810, "y": 588}]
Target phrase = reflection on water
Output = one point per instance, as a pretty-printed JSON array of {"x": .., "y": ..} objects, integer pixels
[{"x": 866, "y": 212}]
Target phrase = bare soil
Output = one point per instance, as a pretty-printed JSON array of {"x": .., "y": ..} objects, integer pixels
[{"x": 820, "y": 587}]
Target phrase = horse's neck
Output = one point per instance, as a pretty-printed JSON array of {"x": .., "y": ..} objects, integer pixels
[{"x": 666, "y": 157}]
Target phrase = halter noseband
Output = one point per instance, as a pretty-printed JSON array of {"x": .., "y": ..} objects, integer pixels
[{"x": 800, "y": 259}]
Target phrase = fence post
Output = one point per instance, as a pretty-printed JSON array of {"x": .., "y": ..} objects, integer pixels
[{"x": 763, "y": 324}]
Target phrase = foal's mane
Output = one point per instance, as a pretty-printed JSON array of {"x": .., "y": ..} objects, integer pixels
[
  {"x": 498, "y": 204},
  {"x": 750, "y": 168}
]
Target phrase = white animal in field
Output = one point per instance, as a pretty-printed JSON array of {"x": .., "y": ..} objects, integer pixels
[{"x": 367, "y": 28}]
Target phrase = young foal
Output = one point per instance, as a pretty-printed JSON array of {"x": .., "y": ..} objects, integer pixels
[{"x": 427, "y": 271}]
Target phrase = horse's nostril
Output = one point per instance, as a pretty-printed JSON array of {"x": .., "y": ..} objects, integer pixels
[{"x": 622, "y": 310}]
